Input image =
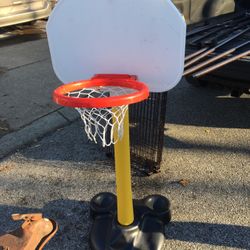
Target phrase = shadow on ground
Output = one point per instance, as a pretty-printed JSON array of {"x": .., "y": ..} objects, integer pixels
[
  {"x": 204, "y": 106},
  {"x": 207, "y": 233},
  {"x": 15, "y": 34},
  {"x": 174, "y": 143},
  {"x": 74, "y": 225},
  {"x": 72, "y": 217}
]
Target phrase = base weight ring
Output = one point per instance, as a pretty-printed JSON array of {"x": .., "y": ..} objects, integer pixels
[{"x": 146, "y": 232}]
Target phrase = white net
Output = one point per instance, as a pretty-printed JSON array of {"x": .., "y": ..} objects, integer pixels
[{"x": 101, "y": 124}]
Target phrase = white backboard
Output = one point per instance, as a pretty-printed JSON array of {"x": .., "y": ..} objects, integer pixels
[{"x": 137, "y": 37}]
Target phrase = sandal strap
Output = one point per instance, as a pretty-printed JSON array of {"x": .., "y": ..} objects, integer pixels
[{"x": 28, "y": 218}]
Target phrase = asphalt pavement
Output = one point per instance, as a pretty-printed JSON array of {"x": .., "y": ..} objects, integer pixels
[
  {"x": 27, "y": 82},
  {"x": 56, "y": 170}
]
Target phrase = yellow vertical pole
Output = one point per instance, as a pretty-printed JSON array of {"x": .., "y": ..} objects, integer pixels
[{"x": 125, "y": 211}]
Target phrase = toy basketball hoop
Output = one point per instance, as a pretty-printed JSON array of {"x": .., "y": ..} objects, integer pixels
[
  {"x": 103, "y": 105},
  {"x": 143, "y": 38}
]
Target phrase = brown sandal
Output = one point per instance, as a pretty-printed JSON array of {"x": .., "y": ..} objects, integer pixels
[{"x": 34, "y": 233}]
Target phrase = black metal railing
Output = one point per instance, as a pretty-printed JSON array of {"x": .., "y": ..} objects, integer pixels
[{"x": 217, "y": 43}]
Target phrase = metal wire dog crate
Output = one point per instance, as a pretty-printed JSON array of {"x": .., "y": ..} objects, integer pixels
[{"x": 147, "y": 121}]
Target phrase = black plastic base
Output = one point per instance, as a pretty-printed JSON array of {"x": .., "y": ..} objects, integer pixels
[{"x": 146, "y": 233}]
